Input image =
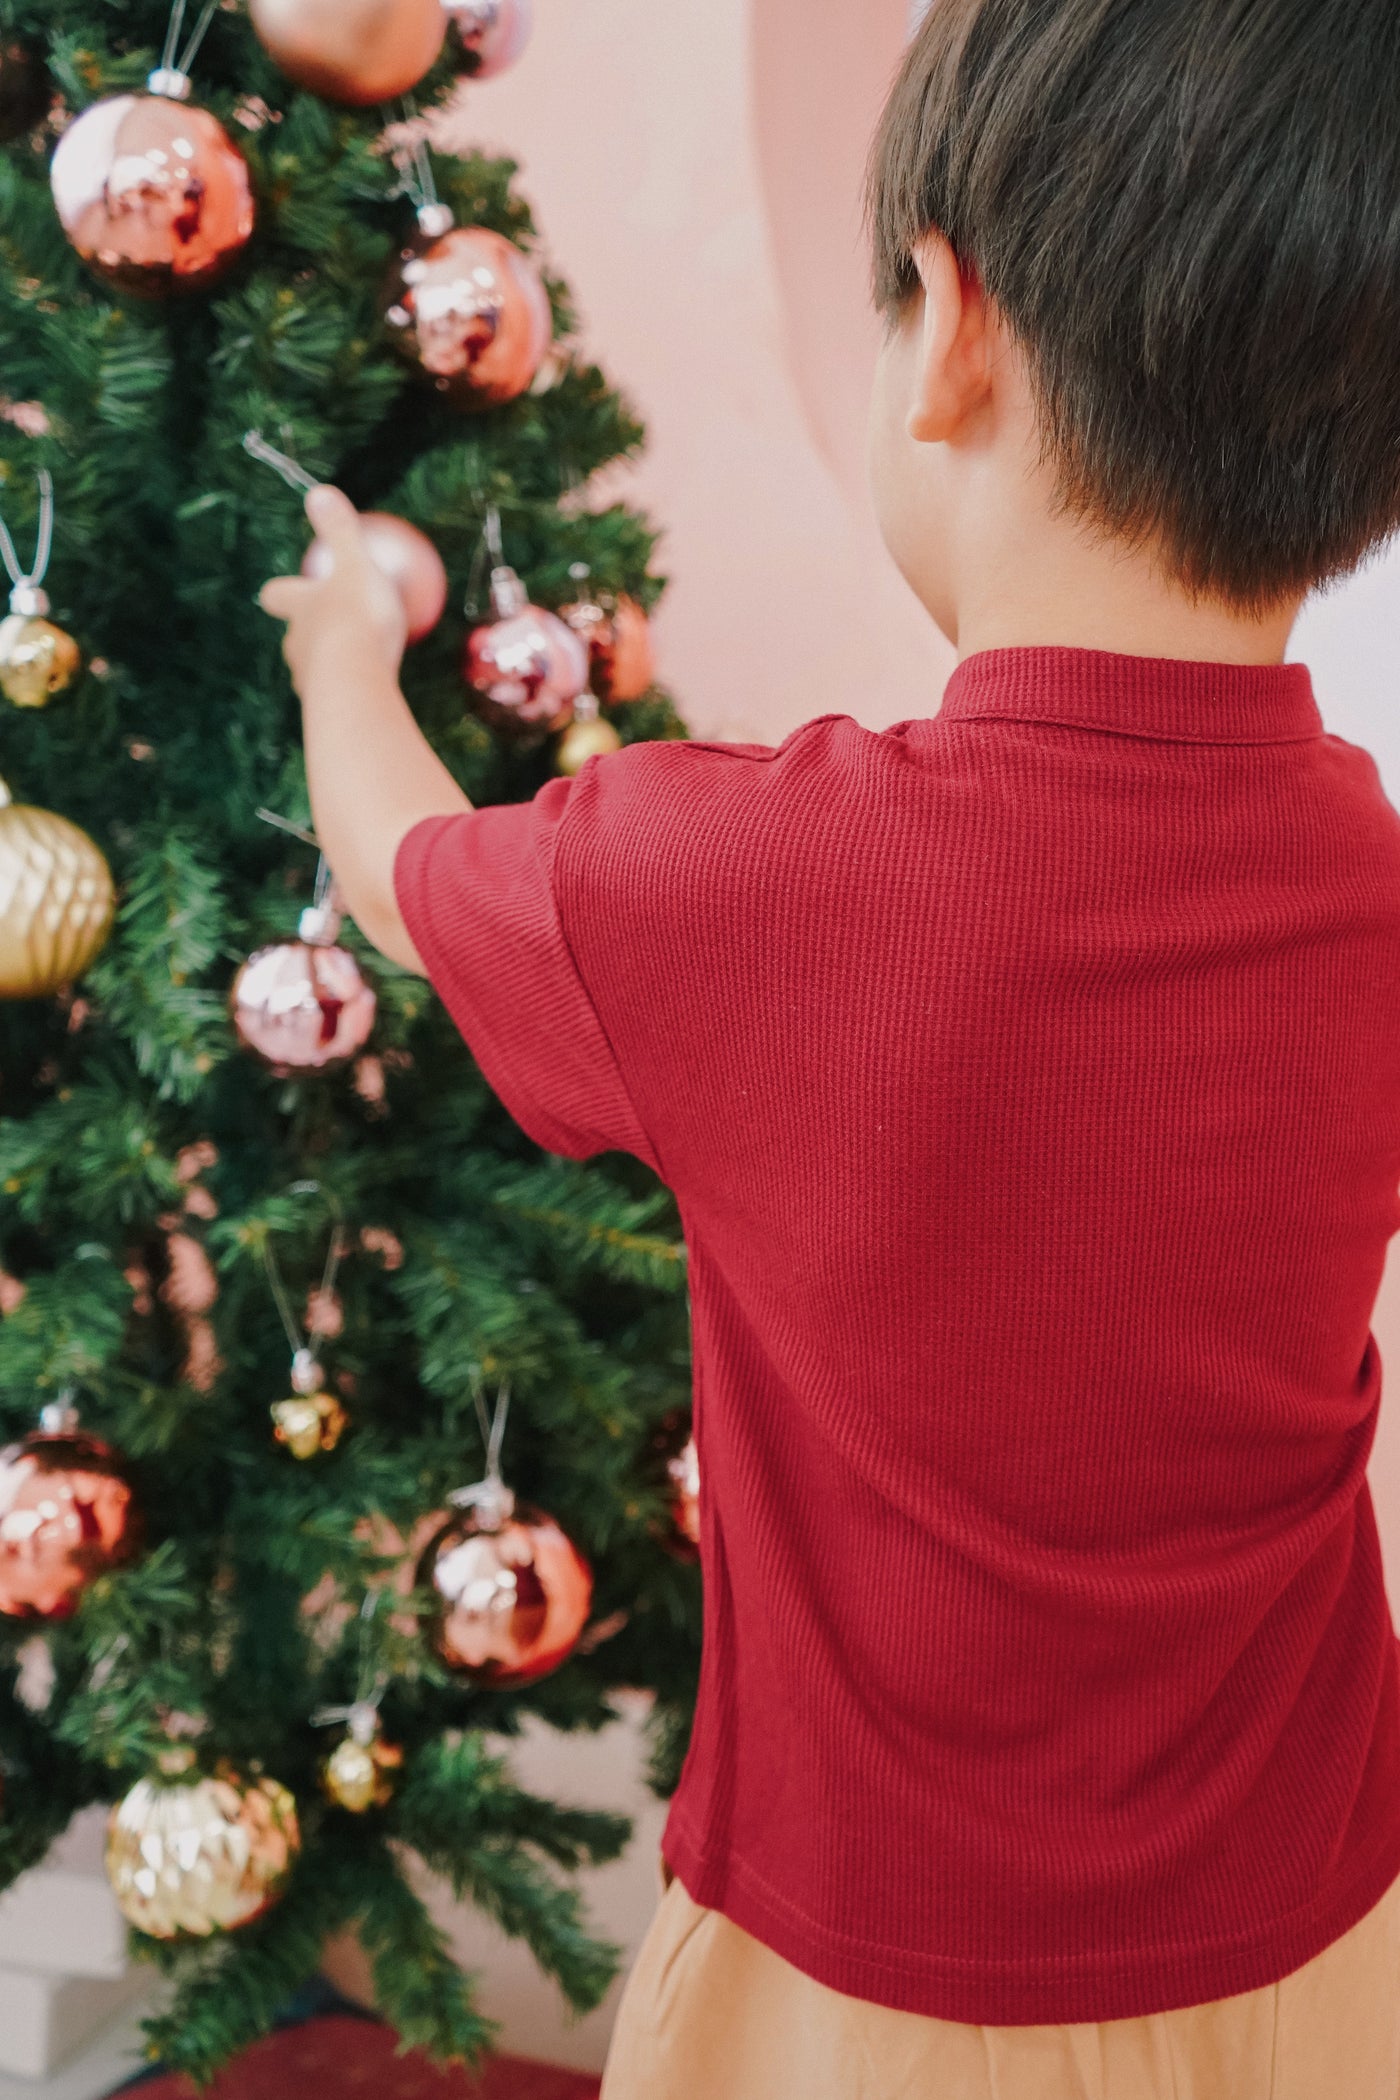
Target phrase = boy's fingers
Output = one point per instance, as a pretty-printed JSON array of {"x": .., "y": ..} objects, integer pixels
[
  {"x": 334, "y": 519},
  {"x": 282, "y": 596}
]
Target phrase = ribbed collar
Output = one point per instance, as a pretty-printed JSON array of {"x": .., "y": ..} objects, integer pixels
[{"x": 1147, "y": 696}]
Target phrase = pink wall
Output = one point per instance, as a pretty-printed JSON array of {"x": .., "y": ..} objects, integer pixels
[{"x": 721, "y": 285}]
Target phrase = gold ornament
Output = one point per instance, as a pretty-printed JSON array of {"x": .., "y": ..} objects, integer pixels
[
  {"x": 57, "y": 899},
  {"x": 200, "y": 1856},
  {"x": 587, "y": 736},
  {"x": 309, "y": 1423},
  {"x": 37, "y": 659},
  {"x": 357, "y": 1772}
]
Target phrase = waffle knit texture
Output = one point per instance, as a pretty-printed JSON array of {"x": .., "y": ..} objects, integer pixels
[{"x": 1028, "y": 1079}]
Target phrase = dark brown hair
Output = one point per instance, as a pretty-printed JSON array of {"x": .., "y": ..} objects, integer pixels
[{"x": 1188, "y": 212}]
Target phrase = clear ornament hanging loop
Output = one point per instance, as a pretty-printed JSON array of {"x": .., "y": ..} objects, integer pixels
[
  {"x": 171, "y": 77},
  {"x": 417, "y": 180},
  {"x": 27, "y": 595},
  {"x": 361, "y": 1714},
  {"x": 295, "y": 476},
  {"x": 307, "y": 1374},
  {"x": 492, "y": 1500}
]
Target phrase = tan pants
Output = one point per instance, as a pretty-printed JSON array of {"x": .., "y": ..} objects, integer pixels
[{"x": 708, "y": 2013}]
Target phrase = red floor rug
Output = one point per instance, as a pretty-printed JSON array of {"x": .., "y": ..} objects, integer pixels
[{"x": 341, "y": 2058}]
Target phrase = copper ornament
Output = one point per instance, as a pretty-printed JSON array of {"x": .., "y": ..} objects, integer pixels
[
  {"x": 302, "y": 1006},
  {"x": 153, "y": 193},
  {"x": 309, "y": 1423},
  {"x": 408, "y": 558},
  {"x": 37, "y": 659},
  {"x": 197, "y": 1856},
  {"x": 68, "y": 1514},
  {"x": 493, "y": 33},
  {"x": 471, "y": 311},
  {"x": 57, "y": 899},
  {"x": 357, "y": 1774},
  {"x": 513, "y": 1593},
  {"x": 351, "y": 51},
  {"x": 677, "y": 1462},
  {"x": 525, "y": 668},
  {"x": 617, "y": 635}
]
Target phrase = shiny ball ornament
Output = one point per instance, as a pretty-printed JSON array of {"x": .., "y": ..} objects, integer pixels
[
  {"x": 68, "y": 1514},
  {"x": 617, "y": 634},
  {"x": 512, "y": 1591},
  {"x": 492, "y": 33},
  {"x": 587, "y": 736},
  {"x": 359, "y": 1773},
  {"x": 37, "y": 659},
  {"x": 196, "y": 1856},
  {"x": 309, "y": 1423},
  {"x": 304, "y": 1005},
  {"x": 677, "y": 1468},
  {"x": 408, "y": 558},
  {"x": 24, "y": 88},
  {"x": 471, "y": 311},
  {"x": 57, "y": 899},
  {"x": 152, "y": 192},
  {"x": 351, "y": 51},
  {"x": 525, "y": 668}
]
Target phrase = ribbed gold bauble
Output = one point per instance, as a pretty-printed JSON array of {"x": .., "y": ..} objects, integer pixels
[
  {"x": 197, "y": 1856},
  {"x": 57, "y": 899}
]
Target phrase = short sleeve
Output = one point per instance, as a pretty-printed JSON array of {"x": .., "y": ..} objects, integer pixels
[{"x": 477, "y": 895}]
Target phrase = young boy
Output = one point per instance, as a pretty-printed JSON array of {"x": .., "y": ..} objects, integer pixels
[{"x": 1029, "y": 1079}]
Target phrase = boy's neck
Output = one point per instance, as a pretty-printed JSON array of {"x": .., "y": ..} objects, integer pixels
[{"x": 1063, "y": 588}]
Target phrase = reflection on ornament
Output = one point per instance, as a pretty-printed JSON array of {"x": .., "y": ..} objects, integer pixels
[
  {"x": 472, "y": 312},
  {"x": 200, "y": 1856},
  {"x": 57, "y": 900},
  {"x": 24, "y": 88},
  {"x": 309, "y": 1423},
  {"x": 677, "y": 1460},
  {"x": 304, "y": 1005},
  {"x": 587, "y": 736},
  {"x": 525, "y": 668},
  {"x": 492, "y": 32},
  {"x": 152, "y": 192},
  {"x": 617, "y": 635},
  {"x": 67, "y": 1515},
  {"x": 37, "y": 659},
  {"x": 408, "y": 558},
  {"x": 351, "y": 51},
  {"x": 513, "y": 1591}
]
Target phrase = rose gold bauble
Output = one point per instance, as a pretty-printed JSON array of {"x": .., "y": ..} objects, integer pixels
[
  {"x": 56, "y": 900},
  {"x": 302, "y": 1007},
  {"x": 67, "y": 1514},
  {"x": 512, "y": 1598},
  {"x": 152, "y": 193},
  {"x": 352, "y": 51},
  {"x": 525, "y": 668},
  {"x": 617, "y": 635},
  {"x": 472, "y": 312},
  {"x": 191, "y": 1857},
  {"x": 492, "y": 32},
  {"x": 408, "y": 558}
]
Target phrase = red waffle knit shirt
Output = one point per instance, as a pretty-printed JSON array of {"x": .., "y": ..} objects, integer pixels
[{"x": 1028, "y": 1079}]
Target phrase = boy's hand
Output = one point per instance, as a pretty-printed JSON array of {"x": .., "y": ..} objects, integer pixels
[{"x": 352, "y": 615}]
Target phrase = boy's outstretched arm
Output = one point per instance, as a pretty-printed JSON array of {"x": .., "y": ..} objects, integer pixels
[{"x": 371, "y": 772}]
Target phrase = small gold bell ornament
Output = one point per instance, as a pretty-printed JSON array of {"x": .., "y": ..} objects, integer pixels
[
  {"x": 37, "y": 659},
  {"x": 358, "y": 1774},
  {"x": 57, "y": 900},
  {"x": 312, "y": 1420},
  {"x": 191, "y": 1853}
]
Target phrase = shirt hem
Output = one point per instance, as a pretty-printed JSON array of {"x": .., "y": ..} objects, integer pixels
[{"x": 1130, "y": 1983}]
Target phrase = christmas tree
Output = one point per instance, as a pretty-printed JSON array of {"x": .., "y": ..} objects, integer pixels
[{"x": 192, "y": 1234}]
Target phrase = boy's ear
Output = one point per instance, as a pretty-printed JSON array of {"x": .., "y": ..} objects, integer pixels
[{"x": 953, "y": 374}]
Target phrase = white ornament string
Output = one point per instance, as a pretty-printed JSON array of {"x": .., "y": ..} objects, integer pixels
[
  {"x": 30, "y": 579},
  {"x": 306, "y": 1357}
]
